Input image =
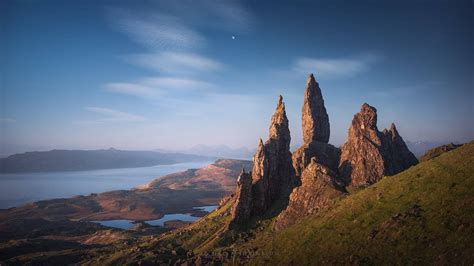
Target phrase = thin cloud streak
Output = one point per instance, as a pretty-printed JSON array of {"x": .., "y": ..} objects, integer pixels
[
  {"x": 111, "y": 115},
  {"x": 335, "y": 67},
  {"x": 132, "y": 89},
  {"x": 157, "y": 31},
  {"x": 176, "y": 83},
  {"x": 158, "y": 87},
  {"x": 175, "y": 62}
]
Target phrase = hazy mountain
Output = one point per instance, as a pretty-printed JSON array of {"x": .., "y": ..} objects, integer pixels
[
  {"x": 75, "y": 160},
  {"x": 220, "y": 151}
]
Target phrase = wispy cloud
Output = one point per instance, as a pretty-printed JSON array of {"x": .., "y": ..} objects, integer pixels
[
  {"x": 7, "y": 120},
  {"x": 156, "y": 31},
  {"x": 111, "y": 115},
  {"x": 132, "y": 89},
  {"x": 336, "y": 67},
  {"x": 176, "y": 62},
  {"x": 158, "y": 87},
  {"x": 231, "y": 15},
  {"x": 176, "y": 83},
  {"x": 172, "y": 34}
]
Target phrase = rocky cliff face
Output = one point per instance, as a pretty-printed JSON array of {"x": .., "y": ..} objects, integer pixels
[
  {"x": 316, "y": 131},
  {"x": 317, "y": 192},
  {"x": 397, "y": 155},
  {"x": 317, "y": 172},
  {"x": 273, "y": 175},
  {"x": 315, "y": 162},
  {"x": 315, "y": 119},
  {"x": 242, "y": 208},
  {"x": 369, "y": 154}
]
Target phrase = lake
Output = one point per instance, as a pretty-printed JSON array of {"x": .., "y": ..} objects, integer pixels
[
  {"x": 21, "y": 188},
  {"x": 128, "y": 224}
]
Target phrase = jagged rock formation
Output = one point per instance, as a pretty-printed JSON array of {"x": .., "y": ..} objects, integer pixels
[
  {"x": 316, "y": 132},
  {"x": 243, "y": 199},
  {"x": 318, "y": 171},
  {"x": 369, "y": 154},
  {"x": 315, "y": 162},
  {"x": 315, "y": 118},
  {"x": 396, "y": 153},
  {"x": 273, "y": 175},
  {"x": 317, "y": 191},
  {"x": 323, "y": 153}
]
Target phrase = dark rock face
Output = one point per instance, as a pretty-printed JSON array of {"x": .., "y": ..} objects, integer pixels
[
  {"x": 317, "y": 172},
  {"x": 243, "y": 199},
  {"x": 315, "y": 132},
  {"x": 315, "y": 162},
  {"x": 317, "y": 191},
  {"x": 369, "y": 154},
  {"x": 272, "y": 178},
  {"x": 324, "y": 154},
  {"x": 397, "y": 155},
  {"x": 361, "y": 161},
  {"x": 273, "y": 173},
  {"x": 315, "y": 118}
]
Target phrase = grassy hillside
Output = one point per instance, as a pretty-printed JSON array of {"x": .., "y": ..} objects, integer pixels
[{"x": 421, "y": 216}]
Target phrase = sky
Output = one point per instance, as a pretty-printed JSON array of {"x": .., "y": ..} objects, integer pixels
[{"x": 143, "y": 75}]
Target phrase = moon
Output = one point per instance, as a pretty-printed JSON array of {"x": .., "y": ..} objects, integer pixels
[{"x": 233, "y": 37}]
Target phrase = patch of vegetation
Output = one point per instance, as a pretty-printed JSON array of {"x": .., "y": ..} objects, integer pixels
[{"x": 421, "y": 216}]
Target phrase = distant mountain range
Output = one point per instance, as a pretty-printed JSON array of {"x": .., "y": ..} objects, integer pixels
[
  {"x": 418, "y": 148},
  {"x": 77, "y": 160},
  {"x": 219, "y": 151}
]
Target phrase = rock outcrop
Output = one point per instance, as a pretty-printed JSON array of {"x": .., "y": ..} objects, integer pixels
[
  {"x": 242, "y": 208},
  {"x": 369, "y": 154},
  {"x": 323, "y": 153},
  {"x": 273, "y": 174},
  {"x": 272, "y": 177},
  {"x": 315, "y": 119},
  {"x": 317, "y": 192},
  {"x": 316, "y": 132},
  {"x": 396, "y": 153},
  {"x": 435, "y": 152},
  {"x": 315, "y": 162},
  {"x": 309, "y": 180}
]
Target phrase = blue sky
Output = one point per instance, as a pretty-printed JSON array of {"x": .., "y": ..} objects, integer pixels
[{"x": 173, "y": 74}]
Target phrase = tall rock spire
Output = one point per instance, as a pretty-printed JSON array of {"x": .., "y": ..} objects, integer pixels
[
  {"x": 314, "y": 116},
  {"x": 315, "y": 131},
  {"x": 272, "y": 177},
  {"x": 279, "y": 128},
  {"x": 273, "y": 174}
]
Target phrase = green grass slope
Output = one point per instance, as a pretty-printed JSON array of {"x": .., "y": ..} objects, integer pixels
[{"x": 424, "y": 215}]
